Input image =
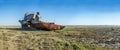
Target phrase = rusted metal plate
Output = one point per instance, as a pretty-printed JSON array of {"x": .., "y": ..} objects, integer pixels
[{"x": 47, "y": 26}]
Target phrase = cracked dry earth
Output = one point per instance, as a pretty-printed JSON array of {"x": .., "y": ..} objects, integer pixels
[{"x": 71, "y": 38}]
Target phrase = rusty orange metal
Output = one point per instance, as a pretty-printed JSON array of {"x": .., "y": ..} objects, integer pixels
[{"x": 47, "y": 26}]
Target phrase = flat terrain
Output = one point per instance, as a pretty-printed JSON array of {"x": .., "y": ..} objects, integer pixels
[{"x": 70, "y": 38}]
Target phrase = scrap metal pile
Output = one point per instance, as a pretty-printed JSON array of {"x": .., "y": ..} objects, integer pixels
[{"x": 32, "y": 21}]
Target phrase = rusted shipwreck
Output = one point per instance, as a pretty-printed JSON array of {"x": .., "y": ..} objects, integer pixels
[{"x": 28, "y": 22}]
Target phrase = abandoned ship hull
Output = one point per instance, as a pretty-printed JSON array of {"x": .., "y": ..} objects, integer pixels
[{"x": 47, "y": 26}]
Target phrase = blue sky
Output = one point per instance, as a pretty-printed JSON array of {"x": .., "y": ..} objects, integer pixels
[{"x": 65, "y": 12}]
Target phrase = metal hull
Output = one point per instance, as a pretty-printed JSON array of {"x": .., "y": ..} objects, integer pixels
[{"x": 46, "y": 26}]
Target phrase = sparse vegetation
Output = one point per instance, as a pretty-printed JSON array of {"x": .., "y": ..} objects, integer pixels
[{"x": 71, "y": 38}]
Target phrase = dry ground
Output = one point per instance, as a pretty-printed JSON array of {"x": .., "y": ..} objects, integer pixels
[{"x": 71, "y": 38}]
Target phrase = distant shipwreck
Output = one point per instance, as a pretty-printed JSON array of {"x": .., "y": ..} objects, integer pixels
[{"x": 32, "y": 21}]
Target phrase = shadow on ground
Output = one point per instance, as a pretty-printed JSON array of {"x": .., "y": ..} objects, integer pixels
[{"x": 22, "y": 29}]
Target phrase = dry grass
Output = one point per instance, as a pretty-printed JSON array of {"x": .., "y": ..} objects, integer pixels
[{"x": 71, "y": 38}]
